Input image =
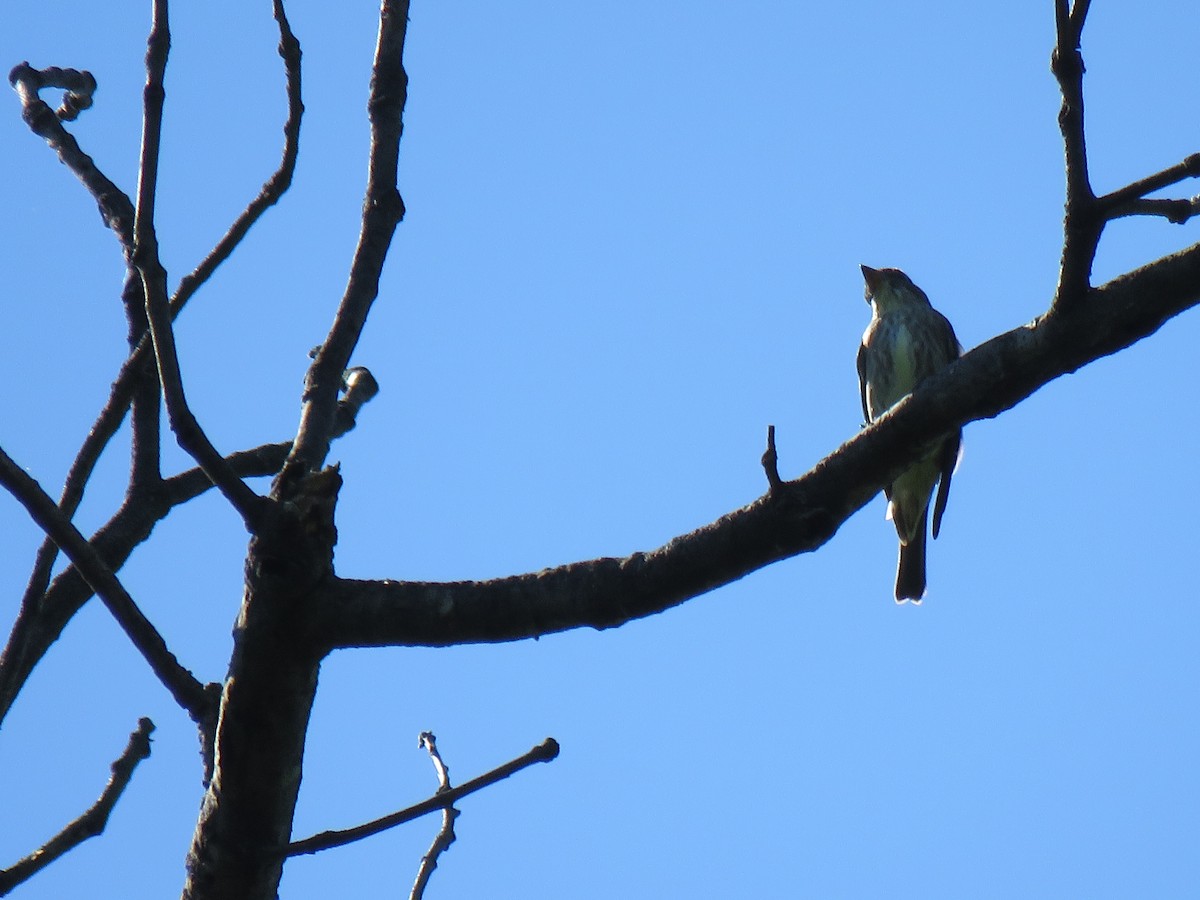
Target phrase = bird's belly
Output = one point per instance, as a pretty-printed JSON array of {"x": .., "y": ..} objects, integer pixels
[
  {"x": 894, "y": 380},
  {"x": 904, "y": 364}
]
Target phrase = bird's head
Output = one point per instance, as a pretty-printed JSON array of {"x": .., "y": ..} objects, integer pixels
[{"x": 887, "y": 287}]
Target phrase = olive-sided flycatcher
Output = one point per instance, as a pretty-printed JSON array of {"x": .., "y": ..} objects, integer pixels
[{"x": 907, "y": 341}]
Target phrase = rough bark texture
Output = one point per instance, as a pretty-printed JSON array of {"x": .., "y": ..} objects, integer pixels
[
  {"x": 295, "y": 609},
  {"x": 246, "y": 817},
  {"x": 795, "y": 517}
]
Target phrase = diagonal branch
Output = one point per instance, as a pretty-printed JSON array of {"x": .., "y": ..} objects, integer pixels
[
  {"x": 275, "y": 186},
  {"x": 115, "y": 207},
  {"x": 382, "y": 211},
  {"x": 795, "y": 517},
  {"x": 42, "y": 619},
  {"x": 187, "y": 691},
  {"x": 113, "y": 413},
  {"x": 326, "y": 840},
  {"x": 92, "y": 822},
  {"x": 187, "y": 429},
  {"x": 1079, "y": 11}
]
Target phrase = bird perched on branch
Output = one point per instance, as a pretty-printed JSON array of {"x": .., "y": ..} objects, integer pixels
[{"x": 907, "y": 341}]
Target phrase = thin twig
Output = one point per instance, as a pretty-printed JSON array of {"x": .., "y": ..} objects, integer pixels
[
  {"x": 1079, "y": 11},
  {"x": 543, "y": 752},
  {"x": 1177, "y": 212},
  {"x": 1082, "y": 225},
  {"x": 382, "y": 211},
  {"x": 187, "y": 691},
  {"x": 92, "y": 822},
  {"x": 44, "y": 612},
  {"x": 1114, "y": 204},
  {"x": 188, "y": 433},
  {"x": 111, "y": 416},
  {"x": 445, "y": 835},
  {"x": 267, "y": 459},
  {"x": 770, "y": 461},
  {"x": 275, "y": 186},
  {"x": 115, "y": 207}
]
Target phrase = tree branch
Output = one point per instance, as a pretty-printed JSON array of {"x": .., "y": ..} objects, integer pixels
[
  {"x": 445, "y": 836},
  {"x": 1177, "y": 212},
  {"x": 797, "y": 517},
  {"x": 131, "y": 373},
  {"x": 45, "y": 613},
  {"x": 1124, "y": 202},
  {"x": 543, "y": 752},
  {"x": 276, "y": 186},
  {"x": 92, "y": 822},
  {"x": 115, "y": 207},
  {"x": 187, "y": 430},
  {"x": 382, "y": 211},
  {"x": 187, "y": 691},
  {"x": 770, "y": 461},
  {"x": 1081, "y": 224}
]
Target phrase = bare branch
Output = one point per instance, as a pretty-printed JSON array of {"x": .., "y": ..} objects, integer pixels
[
  {"x": 45, "y": 611},
  {"x": 115, "y": 208},
  {"x": 187, "y": 691},
  {"x": 1121, "y": 202},
  {"x": 1177, "y": 212},
  {"x": 445, "y": 835},
  {"x": 1079, "y": 11},
  {"x": 92, "y": 822},
  {"x": 798, "y": 517},
  {"x": 133, "y": 370},
  {"x": 268, "y": 459},
  {"x": 187, "y": 430},
  {"x": 326, "y": 840},
  {"x": 770, "y": 461},
  {"x": 1081, "y": 225},
  {"x": 382, "y": 211},
  {"x": 275, "y": 186}
]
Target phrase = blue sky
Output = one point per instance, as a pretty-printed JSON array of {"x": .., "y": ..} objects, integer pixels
[{"x": 632, "y": 243}]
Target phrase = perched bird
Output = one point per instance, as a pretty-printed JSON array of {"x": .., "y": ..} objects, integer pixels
[{"x": 907, "y": 341}]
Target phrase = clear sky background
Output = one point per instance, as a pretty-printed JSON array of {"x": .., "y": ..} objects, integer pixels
[{"x": 632, "y": 243}]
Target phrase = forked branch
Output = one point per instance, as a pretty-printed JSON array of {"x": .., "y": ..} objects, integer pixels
[
  {"x": 187, "y": 691},
  {"x": 382, "y": 211},
  {"x": 154, "y": 283},
  {"x": 543, "y": 752}
]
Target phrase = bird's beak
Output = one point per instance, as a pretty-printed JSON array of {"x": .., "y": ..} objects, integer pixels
[{"x": 872, "y": 278}]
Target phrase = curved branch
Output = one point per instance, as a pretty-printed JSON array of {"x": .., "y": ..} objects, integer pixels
[
  {"x": 116, "y": 209},
  {"x": 113, "y": 414},
  {"x": 795, "y": 517},
  {"x": 92, "y": 822},
  {"x": 187, "y": 691},
  {"x": 275, "y": 186},
  {"x": 42, "y": 618},
  {"x": 382, "y": 211}
]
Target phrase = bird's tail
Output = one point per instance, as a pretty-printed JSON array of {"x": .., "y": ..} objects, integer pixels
[{"x": 910, "y": 573}]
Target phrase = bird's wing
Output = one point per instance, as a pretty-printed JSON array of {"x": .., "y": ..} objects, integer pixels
[
  {"x": 951, "y": 347},
  {"x": 947, "y": 460},
  {"x": 861, "y": 364}
]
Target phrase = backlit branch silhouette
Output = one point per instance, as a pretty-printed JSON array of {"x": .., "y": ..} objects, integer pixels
[{"x": 296, "y": 609}]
